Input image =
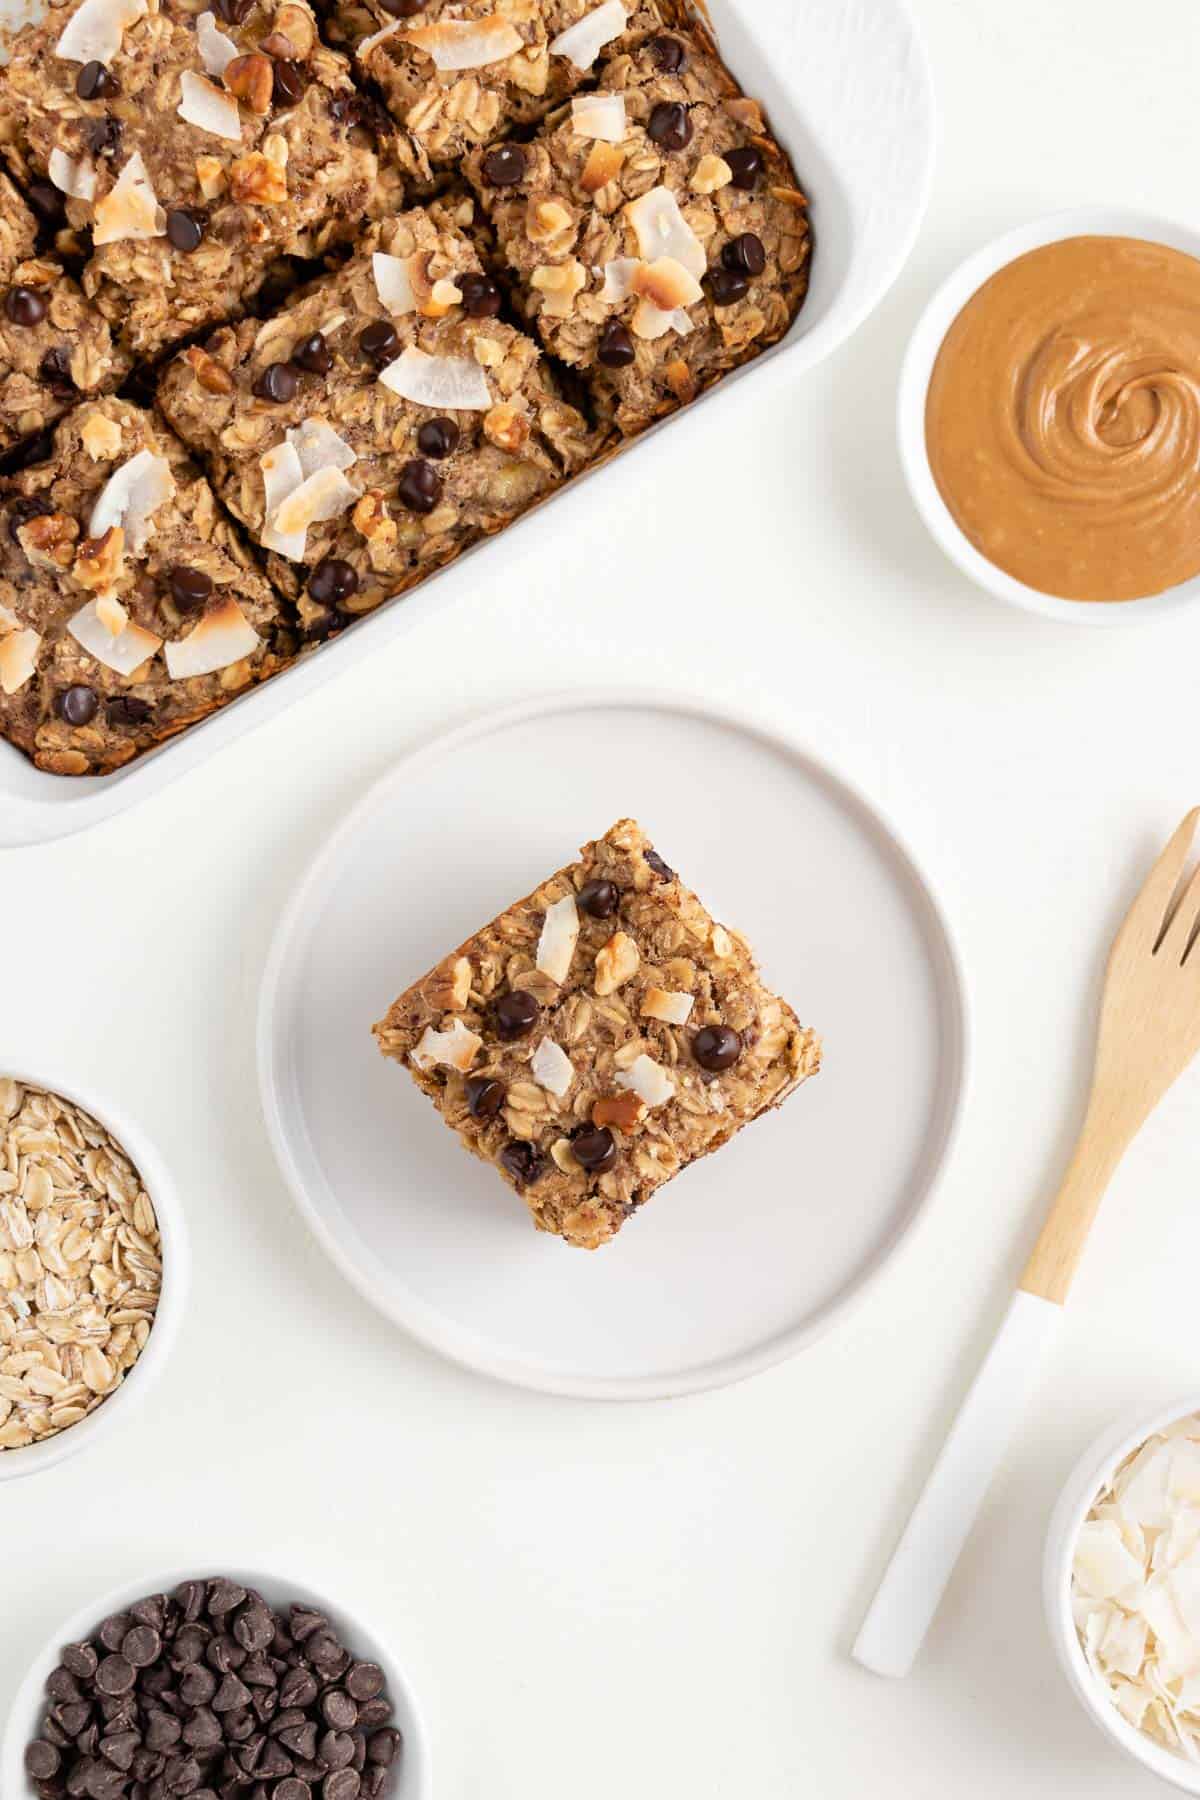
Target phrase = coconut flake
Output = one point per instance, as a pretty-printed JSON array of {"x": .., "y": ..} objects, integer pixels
[
  {"x": 582, "y": 42},
  {"x": 599, "y": 116},
  {"x": 466, "y": 43},
  {"x": 393, "y": 283},
  {"x": 123, "y": 653},
  {"x": 671, "y": 1008},
  {"x": 208, "y": 108},
  {"x": 662, "y": 230},
  {"x": 130, "y": 209},
  {"x": 651, "y": 322},
  {"x": 551, "y": 1068},
  {"x": 618, "y": 279},
  {"x": 131, "y": 496},
  {"x": 18, "y": 658},
  {"x": 666, "y": 284},
  {"x": 560, "y": 934},
  {"x": 223, "y": 636},
  {"x": 456, "y": 1047},
  {"x": 648, "y": 1080},
  {"x": 446, "y": 383},
  {"x": 282, "y": 473},
  {"x": 318, "y": 446},
  {"x": 1104, "y": 1569},
  {"x": 216, "y": 50},
  {"x": 378, "y": 37},
  {"x": 78, "y": 179},
  {"x": 95, "y": 31},
  {"x": 321, "y": 496}
]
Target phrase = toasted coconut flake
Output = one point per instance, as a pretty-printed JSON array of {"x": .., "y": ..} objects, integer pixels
[
  {"x": 208, "y": 107},
  {"x": 599, "y": 116},
  {"x": 672, "y": 1009},
  {"x": 662, "y": 230},
  {"x": 77, "y": 179},
  {"x": 8, "y": 619},
  {"x": 393, "y": 283},
  {"x": 130, "y": 209},
  {"x": 618, "y": 279},
  {"x": 456, "y": 1047},
  {"x": 551, "y": 1068},
  {"x": 223, "y": 636},
  {"x": 582, "y": 42},
  {"x": 447, "y": 383},
  {"x": 651, "y": 322},
  {"x": 667, "y": 284},
  {"x": 321, "y": 496},
  {"x": 560, "y": 934},
  {"x": 131, "y": 496},
  {"x": 18, "y": 659},
  {"x": 648, "y": 1080},
  {"x": 364, "y": 49},
  {"x": 616, "y": 961},
  {"x": 318, "y": 447},
  {"x": 96, "y": 29},
  {"x": 282, "y": 473},
  {"x": 466, "y": 43},
  {"x": 603, "y": 165},
  {"x": 123, "y": 653},
  {"x": 216, "y": 50},
  {"x": 111, "y": 614}
]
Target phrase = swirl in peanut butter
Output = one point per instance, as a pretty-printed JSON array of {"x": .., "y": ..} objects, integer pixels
[{"x": 1063, "y": 419}]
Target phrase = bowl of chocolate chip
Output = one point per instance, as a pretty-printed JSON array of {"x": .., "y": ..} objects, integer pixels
[
  {"x": 215, "y": 1686},
  {"x": 1049, "y": 417}
]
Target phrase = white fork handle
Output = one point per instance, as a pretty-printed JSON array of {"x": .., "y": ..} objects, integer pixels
[{"x": 916, "y": 1578}]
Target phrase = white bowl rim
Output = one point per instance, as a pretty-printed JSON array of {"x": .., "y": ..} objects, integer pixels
[
  {"x": 1090, "y": 1474},
  {"x": 939, "y": 313},
  {"x": 34, "y": 1459},
  {"x": 26, "y": 1706}
]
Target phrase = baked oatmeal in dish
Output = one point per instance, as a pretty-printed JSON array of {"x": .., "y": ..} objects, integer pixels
[
  {"x": 128, "y": 607},
  {"x": 54, "y": 347},
  {"x": 657, "y": 232},
  {"x": 456, "y": 74},
  {"x": 387, "y": 420},
  {"x": 192, "y": 146},
  {"x": 598, "y": 1037}
]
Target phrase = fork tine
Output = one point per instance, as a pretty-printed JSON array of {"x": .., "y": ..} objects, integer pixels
[
  {"x": 1147, "y": 917},
  {"x": 1177, "y": 938}
]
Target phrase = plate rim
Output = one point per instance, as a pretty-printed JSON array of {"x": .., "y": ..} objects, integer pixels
[{"x": 459, "y": 1347}]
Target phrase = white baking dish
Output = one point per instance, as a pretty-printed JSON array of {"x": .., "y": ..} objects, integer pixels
[{"x": 847, "y": 87}]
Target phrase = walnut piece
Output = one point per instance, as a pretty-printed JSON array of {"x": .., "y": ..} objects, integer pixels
[
  {"x": 710, "y": 174},
  {"x": 507, "y": 427},
  {"x": 49, "y": 541},
  {"x": 449, "y": 987},
  {"x": 208, "y": 372},
  {"x": 257, "y": 180},
  {"x": 615, "y": 963},
  {"x": 370, "y": 518},
  {"x": 560, "y": 283},
  {"x": 98, "y": 561},
  {"x": 251, "y": 79},
  {"x": 210, "y": 176},
  {"x": 625, "y": 1111},
  {"x": 100, "y": 437}
]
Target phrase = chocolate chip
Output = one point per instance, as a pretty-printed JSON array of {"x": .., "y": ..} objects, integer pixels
[
  {"x": 277, "y": 383},
  {"x": 73, "y": 1717},
  {"x": 339, "y": 1710},
  {"x": 77, "y": 706},
  {"x": 599, "y": 899},
  {"x": 197, "y": 1685},
  {"x": 485, "y": 1096},
  {"x": 420, "y": 488},
  {"x": 306, "y": 1622},
  {"x": 343, "y": 1784},
  {"x": 55, "y": 371},
  {"x": 313, "y": 353},
  {"x": 728, "y": 286},
  {"x": 185, "y": 228},
  {"x": 375, "y": 1712},
  {"x": 115, "y": 1674},
  {"x": 663, "y": 870},
  {"x": 202, "y": 1730},
  {"x": 42, "y": 1760},
  {"x": 332, "y": 581},
  {"x": 504, "y": 166},
  {"x": 745, "y": 166},
  {"x": 141, "y": 1646},
  {"x": 525, "y": 1165},
  {"x": 24, "y": 306},
  {"x": 190, "y": 588},
  {"x": 336, "y": 1749},
  {"x": 716, "y": 1047},
  {"x": 670, "y": 126},
  {"x": 291, "y": 1789},
  {"x": 382, "y": 1747},
  {"x": 95, "y": 82},
  {"x": 595, "y": 1151},
  {"x": 480, "y": 296},
  {"x": 364, "y": 1680},
  {"x": 120, "y": 1748},
  {"x": 80, "y": 1659},
  {"x": 46, "y": 202},
  {"x": 616, "y": 348},
  {"x": 128, "y": 709},
  {"x": 745, "y": 255},
  {"x": 104, "y": 136},
  {"x": 301, "y": 1740},
  {"x": 231, "y": 1694},
  {"x": 379, "y": 342},
  {"x": 515, "y": 1015},
  {"x": 669, "y": 54},
  {"x": 288, "y": 84},
  {"x": 298, "y": 1688},
  {"x": 438, "y": 438}
]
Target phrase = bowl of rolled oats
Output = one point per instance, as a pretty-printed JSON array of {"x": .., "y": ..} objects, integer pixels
[{"x": 93, "y": 1270}]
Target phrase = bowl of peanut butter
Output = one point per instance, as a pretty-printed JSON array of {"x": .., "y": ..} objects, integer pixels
[{"x": 1049, "y": 416}]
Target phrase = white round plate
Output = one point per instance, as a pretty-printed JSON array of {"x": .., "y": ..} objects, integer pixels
[{"x": 751, "y": 1253}]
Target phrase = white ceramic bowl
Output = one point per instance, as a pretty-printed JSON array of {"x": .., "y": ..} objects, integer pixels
[
  {"x": 1092, "y": 1473},
  {"x": 120, "y": 1405},
  {"x": 414, "y": 1781},
  {"x": 935, "y": 321}
]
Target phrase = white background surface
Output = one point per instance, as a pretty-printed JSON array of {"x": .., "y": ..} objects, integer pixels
[{"x": 657, "y": 1600}]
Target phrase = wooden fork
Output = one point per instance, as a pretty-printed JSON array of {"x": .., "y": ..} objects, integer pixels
[{"x": 1149, "y": 1032}]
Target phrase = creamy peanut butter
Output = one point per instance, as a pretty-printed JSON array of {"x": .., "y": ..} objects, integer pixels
[{"x": 1063, "y": 418}]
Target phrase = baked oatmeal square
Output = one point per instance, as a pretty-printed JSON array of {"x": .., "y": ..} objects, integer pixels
[{"x": 597, "y": 1037}]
